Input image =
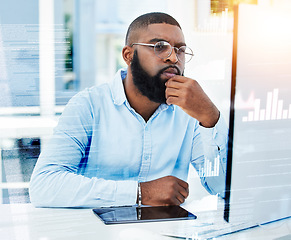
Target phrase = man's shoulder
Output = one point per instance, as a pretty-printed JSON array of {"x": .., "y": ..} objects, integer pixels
[
  {"x": 94, "y": 92},
  {"x": 92, "y": 98}
]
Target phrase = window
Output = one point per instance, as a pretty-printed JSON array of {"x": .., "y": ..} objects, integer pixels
[{"x": 218, "y": 6}]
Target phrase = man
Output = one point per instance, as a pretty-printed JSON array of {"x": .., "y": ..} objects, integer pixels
[{"x": 132, "y": 140}]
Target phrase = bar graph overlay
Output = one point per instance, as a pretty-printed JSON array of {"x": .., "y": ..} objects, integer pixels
[
  {"x": 273, "y": 110},
  {"x": 210, "y": 168}
]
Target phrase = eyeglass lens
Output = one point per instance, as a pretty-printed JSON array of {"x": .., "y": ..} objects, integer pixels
[{"x": 164, "y": 50}]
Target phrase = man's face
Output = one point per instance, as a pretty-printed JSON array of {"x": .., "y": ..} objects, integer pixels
[
  {"x": 150, "y": 72},
  {"x": 153, "y": 87}
]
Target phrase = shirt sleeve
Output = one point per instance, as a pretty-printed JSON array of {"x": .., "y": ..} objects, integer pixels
[
  {"x": 57, "y": 181},
  {"x": 209, "y": 155}
]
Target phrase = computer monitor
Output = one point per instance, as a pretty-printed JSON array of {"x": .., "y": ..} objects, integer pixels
[{"x": 258, "y": 185}]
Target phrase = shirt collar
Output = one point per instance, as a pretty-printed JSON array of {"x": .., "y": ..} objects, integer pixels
[
  {"x": 117, "y": 88},
  {"x": 118, "y": 94}
]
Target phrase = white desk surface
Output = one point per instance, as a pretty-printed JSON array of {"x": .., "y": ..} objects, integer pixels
[{"x": 23, "y": 222}]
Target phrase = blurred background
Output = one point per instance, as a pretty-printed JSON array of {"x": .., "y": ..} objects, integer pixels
[{"x": 52, "y": 49}]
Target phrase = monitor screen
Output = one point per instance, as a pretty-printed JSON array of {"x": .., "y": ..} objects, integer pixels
[{"x": 258, "y": 185}]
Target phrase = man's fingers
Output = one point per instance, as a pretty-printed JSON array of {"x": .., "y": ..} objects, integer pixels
[
  {"x": 180, "y": 200},
  {"x": 182, "y": 183},
  {"x": 184, "y": 191},
  {"x": 173, "y": 92},
  {"x": 178, "y": 79},
  {"x": 182, "y": 195},
  {"x": 173, "y": 100},
  {"x": 172, "y": 83},
  {"x": 167, "y": 190}
]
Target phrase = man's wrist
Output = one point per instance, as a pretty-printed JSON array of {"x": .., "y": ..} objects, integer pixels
[
  {"x": 138, "y": 194},
  {"x": 211, "y": 123}
]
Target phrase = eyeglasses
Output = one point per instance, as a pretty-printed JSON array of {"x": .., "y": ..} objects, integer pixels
[{"x": 164, "y": 50}]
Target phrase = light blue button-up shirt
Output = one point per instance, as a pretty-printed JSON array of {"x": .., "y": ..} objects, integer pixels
[{"x": 102, "y": 148}]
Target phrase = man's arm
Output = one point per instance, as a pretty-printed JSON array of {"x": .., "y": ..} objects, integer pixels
[
  {"x": 212, "y": 134},
  {"x": 57, "y": 180},
  {"x": 210, "y": 146}
]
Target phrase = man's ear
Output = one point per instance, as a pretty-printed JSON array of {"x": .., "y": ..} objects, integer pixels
[{"x": 127, "y": 54}]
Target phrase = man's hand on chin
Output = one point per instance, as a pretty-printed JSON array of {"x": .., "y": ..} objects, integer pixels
[{"x": 190, "y": 97}]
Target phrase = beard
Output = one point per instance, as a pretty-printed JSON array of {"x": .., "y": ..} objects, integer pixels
[{"x": 153, "y": 87}]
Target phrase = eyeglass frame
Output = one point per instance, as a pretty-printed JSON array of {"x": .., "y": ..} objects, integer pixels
[{"x": 175, "y": 48}]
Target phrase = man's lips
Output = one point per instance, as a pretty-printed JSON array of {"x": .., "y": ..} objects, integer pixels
[
  {"x": 169, "y": 75},
  {"x": 170, "y": 72}
]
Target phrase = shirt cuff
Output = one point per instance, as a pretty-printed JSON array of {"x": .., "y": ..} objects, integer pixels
[
  {"x": 218, "y": 133},
  {"x": 126, "y": 193}
]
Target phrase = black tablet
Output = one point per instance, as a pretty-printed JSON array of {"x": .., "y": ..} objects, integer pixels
[{"x": 134, "y": 214}]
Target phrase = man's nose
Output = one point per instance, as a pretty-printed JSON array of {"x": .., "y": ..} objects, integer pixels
[{"x": 173, "y": 58}]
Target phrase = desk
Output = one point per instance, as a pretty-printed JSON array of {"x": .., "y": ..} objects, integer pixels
[
  {"x": 24, "y": 222},
  {"x": 23, "y": 127}
]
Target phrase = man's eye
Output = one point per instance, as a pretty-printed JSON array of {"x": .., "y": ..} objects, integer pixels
[
  {"x": 182, "y": 50},
  {"x": 160, "y": 46}
]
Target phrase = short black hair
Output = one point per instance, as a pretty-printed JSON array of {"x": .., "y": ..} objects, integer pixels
[{"x": 147, "y": 19}]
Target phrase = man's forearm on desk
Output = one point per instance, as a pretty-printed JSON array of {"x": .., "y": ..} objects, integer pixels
[{"x": 65, "y": 189}]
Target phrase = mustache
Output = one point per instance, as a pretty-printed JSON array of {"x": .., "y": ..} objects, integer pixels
[{"x": 171, "y": 66}]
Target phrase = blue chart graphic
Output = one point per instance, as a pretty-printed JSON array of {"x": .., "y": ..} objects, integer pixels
[
  {"x": 273, "y": 110},
  {"x": 210, "y": 169}
]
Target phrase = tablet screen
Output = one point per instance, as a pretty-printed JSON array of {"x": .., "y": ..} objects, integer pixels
[{"x": 133, "y": 214}]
